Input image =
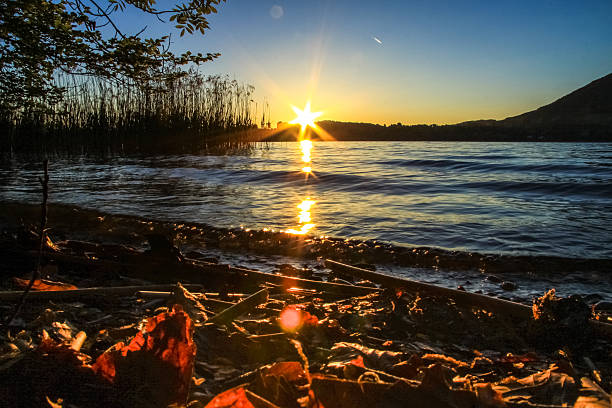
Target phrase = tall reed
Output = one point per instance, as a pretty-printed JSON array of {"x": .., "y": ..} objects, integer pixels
[{"x": 102, "y": 116}]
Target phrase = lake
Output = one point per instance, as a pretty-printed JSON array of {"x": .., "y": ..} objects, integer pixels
[{"x": 511, "y": 198}]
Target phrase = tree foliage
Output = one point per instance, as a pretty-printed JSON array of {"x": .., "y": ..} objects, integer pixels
[{"x": 39, "y": 38}]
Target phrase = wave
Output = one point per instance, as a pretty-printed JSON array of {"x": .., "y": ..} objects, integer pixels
[
  {"x": 497, "y": 167},
  {"x": 405, "y": 185}
]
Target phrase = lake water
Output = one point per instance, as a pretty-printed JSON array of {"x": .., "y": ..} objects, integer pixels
[{"x": 516, "y": 198}]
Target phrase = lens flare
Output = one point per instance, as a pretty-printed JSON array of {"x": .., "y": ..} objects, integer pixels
[
  {"x": 307, "y": 169},
  {"x": 290, "y": 319}
]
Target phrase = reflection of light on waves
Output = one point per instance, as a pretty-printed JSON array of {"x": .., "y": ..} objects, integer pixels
[
  {"x": 304, "y": 218},
  {"x": 306, "y": 146}
]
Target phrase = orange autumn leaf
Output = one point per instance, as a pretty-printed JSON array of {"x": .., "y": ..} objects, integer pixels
[
  {"x": 291, "y": 370},
  {"x": 232, "y": 398},
  {"x": 358, "y": 361},
  {"x": 160, "y": 357},
  {"x": 43, "y": 285}
]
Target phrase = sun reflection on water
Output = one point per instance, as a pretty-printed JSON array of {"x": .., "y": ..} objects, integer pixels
[
  {"x": 305, "y": 118},
  {"x": 306, "y": 146},
  {"x": 304, "y": 218}
]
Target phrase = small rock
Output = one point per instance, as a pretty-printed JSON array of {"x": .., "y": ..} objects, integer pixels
[
  {"x": 603, "y": 307},
  {"x": 507, "y": 285},
  {"x": 494, "y": 279},
  {"x": 592, "y": 298}
]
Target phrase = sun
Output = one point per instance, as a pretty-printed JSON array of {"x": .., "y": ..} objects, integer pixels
[{"x": 305, "y": 117}]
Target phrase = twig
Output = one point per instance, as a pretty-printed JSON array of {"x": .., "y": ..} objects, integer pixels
[
  {"x": 595, "y": 372},
  {"x": 260, "y": 401},
  {"x": 192, "y": 269},
  {"x": 41, "y": 240},
  {"x": 97, "y": 291},
  {"x": 288, "y": 281},
  {"x": 240, "y": 308}
]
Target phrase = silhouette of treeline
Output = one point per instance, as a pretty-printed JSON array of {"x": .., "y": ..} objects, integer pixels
[
  {"x": 496, "y": 132},
  {"x": 584, "y": 115},
  {"x": 95, "y": 115}
]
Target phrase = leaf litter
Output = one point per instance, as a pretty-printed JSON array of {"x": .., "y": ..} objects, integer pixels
[{"x": 296, "y": 348}]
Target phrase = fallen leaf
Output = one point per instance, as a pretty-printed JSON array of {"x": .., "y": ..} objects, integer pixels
[
  {"x": 291, "y": 370},
  {"x": 159, "y": 360},
  {"x": 232, "y": 398},
  {"x": 43, "y": 285}
]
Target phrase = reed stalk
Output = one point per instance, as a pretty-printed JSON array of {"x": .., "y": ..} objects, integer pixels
[{"x": 98, "y": 115}]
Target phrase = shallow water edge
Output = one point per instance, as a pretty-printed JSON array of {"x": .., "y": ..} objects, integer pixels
[{"x": 518, "y": 278}]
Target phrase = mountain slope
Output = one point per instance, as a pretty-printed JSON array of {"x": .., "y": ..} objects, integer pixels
[{"x": 589, "y": 105}]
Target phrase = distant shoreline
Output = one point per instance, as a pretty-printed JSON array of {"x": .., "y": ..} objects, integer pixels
[{"x": 346, "y": 131}]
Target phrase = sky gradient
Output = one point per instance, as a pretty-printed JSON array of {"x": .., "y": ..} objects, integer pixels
[{"x": 408, "y": 61}]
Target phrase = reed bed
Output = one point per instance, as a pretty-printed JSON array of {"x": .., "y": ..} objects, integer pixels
[{"x": 97, "y": 115}]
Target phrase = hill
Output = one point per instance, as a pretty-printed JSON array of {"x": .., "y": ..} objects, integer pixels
[
  {"x": 585, "y": 115},
  {"x": 589, "y": 105}
]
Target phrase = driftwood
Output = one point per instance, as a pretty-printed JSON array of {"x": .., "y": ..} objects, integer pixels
[
  {"x": 240, "y": 308},
  {"x": 215, "y": 304},
  {"x": 86, "y": 292},
  {"x": 156, "y": 294},
  {"x": 504, "y": 307},
  {"x": 195, "y": 270},
  {"x": 464, "y": 298},
  {"x": 288, "y": 282}
]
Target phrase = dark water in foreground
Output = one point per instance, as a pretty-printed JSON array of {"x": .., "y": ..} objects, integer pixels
[{"x": 519, "y": 198}]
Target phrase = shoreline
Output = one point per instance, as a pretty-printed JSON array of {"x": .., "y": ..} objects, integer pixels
[{"x": 518, "y": 278}]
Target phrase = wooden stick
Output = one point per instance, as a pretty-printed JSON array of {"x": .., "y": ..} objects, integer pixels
[
  {"x": 289, "y": 282},
  {"x": 194, "y": 268},
  {"x": 80, "y": 293},
  {"x": 595, "y": 372},
  {"x": 155, "y": 294},
  {"x": 41, "y": 241},
  {"x": 501, "y": 306},
  {"x": 258, "y": 401},
  {"x": 158, "y": 294},
  {"x": 240, "y": 308},
  {"x": 466, "y": 298}
]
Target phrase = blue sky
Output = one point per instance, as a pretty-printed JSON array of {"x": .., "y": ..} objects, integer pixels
[{"x": 436, "y": 62}]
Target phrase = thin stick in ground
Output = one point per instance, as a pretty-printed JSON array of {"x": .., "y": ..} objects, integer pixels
[{"x": 41, "y": 240}]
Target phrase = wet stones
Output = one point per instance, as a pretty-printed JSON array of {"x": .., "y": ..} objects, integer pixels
[
  {"x": 290, "y": 270},
  {"x": 603, "y": 307},
  {"x": 162, "y": 246},
  {"x": 494, "y": 279}
]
